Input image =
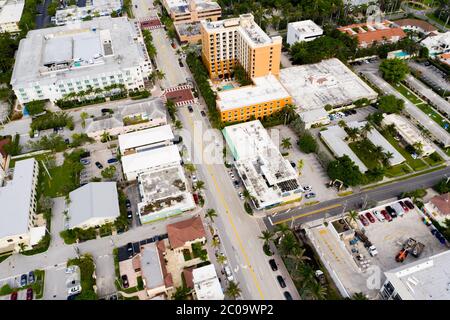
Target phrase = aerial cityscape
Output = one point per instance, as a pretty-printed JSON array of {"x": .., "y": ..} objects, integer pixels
[{"x": 224, "y": 150}]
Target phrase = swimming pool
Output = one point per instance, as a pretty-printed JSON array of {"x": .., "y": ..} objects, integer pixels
[
  {"x": 401, "y": 54},
  {"x": 227, "y": 87}
]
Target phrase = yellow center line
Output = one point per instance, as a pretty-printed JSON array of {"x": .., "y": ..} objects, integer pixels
[
  {"x": 308, "y": 213},
  {"x": 230, "y": 219}
]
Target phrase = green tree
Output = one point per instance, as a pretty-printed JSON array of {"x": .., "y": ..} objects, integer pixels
[
  {"x": 221, "y": 259},
  {"x": 211, "y": 214},
  {"x": 288, "y": 245},
  {"x": 307, "y": 143},
  {"x": 109, "y": 172},
  {"x": 171, "y": 108},
  {"x": 199, "y": 185},
  {"x": 83, "y": 116},
  {"x": 352, "y": 215},
  {"x": 286, "y": 143},
  {"x": 390, "y": 104},
  {"x": 189, "y": 167},
  {"x": 178, "y": 124},
  {"x": 181, "y": 293},
  {"x": 282, "y": 229},
  {"x": 233, "y": 291},
  {"x": 346, "y": 170},
  {"x": 394, "y": 70},
  {"x": 266, "y": 236},
  {"x": 359, "y": 296},
  {"x": 35, "y": 107}
]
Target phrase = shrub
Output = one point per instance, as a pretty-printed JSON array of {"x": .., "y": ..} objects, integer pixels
[{"x": 307, "y": 143}]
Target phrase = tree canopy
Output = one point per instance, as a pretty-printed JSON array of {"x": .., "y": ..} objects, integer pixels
[
  {"x": 394, "y": 70},
  {"x": 391, "y": 104},
  {"x": 346, "y": 170}
]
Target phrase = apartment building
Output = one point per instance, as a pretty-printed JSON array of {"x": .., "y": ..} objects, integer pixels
[
  {"x": 306, "y": 30},
  {"x": 259, "y": 100},
  {"x": 54, "y": 62},
  {"x": 226, "y": 43},
  {"x": 185, "y": 11},
  {"x": 92, "y": 9},
  {"x": 18, "y": 220},
  {"x": 10, "y": 14},
  {"x": 374, "y": 32}
]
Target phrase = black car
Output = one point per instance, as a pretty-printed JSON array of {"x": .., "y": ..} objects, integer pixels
[
  {"x": 273, "y": 264},
  {"x": 203, "y": 113},
  {"x": 85, "y": 155},
  {"x": 128, "y": 203},
  {"x": 129, "y": 215},
  {"x": 391, "y": 212},
  {"x": 180, "y": 63},
  {"x": 409, "y": 204},
  {"x": 99, "y": 165},
  {"x": 287, "y": 295},
  {"x": 31, "y": 277},
  {"x": 67, "y": 141},
  {"x": 281, "y": 281},
  {"x": 130, "y": 249},
  {"x": 353, "y": 111},
  {"x": 23, "y": 280},
  {"x": 125, "y": 281},
  {"x": 190, "y": 109},
  {"x": 107, "y": 110}
]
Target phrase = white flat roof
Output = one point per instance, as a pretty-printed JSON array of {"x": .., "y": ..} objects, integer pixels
[
  {"x": 425, "y": 279},
  {"x": 306, "y": 26},
  {"x": 206, "y": 283},
  {"x": 265, "y": 89},
  {"x": 11, "y": 11},
  {"x": 334, "y": 137},
  {"x": 377, "y": 139},
  {"x": 145, "y": 137},
  {"x": 15, "y": 200},
  {"x": 313, "y": 115},
  {"x": 142, "y": 161},
  {"x": 314, "y": 86}
]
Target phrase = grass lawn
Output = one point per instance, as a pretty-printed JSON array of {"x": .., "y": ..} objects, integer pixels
[
  {"x": 369, "y": 161},
  {"x": 408, "y": 94},
  {"x": 433, "y": 160},
  {"x": 187, "y": 255},
  {"x": 398, "y": 170},
  {"x": 433, "y": 17},
  {"x": 39, "y": 157},
  {"x": 3, "y": 257}
]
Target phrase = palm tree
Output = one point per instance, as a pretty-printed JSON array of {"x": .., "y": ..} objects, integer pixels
[
  {"x": 288, "y": 245},
  {"x": 199, "y": 185},
  {"x": 178, "y": 125},
  {"x": 221, "y": 259},
  {"x": 215, "y": 243},
  {"x": 22, "y": 247},
  {"x": 378, "y": 152},
  {"x": 83, "y": 117},
  {"x": 353, "y": 133},
  {"x": 387, "y": 156},
  {"x": 211, "y": 213},
  {"x": 189, "y": 167},
  {"x": 105, "y": 136},
  {"x": 317, "y": 291},
  {"x": 342, "y": 124},
  {"x": 300, "y": 257},
  {"x": 418, "y": 147},
  {"x": 246, "y": 194},
  {"x": 286, "y": 143},
  {"x": 359, "y": 296},
  {"x": 366, "y": 129},
  {"x": 352, "y": 215},
  {"x": 282, "y": 228},
  {"x": 233, "y": 291},
  {"x": 266, "y": 236}
]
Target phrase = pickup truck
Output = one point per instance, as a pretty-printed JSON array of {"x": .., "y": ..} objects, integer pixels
[{"x": 373, "y": 251}]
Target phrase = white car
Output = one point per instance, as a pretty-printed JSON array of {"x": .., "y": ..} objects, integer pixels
[
  {"x": 378, "y": 215},
  {"x": 70, "y": 269},
  {"x": 373, "y": 251},
  {"x": 241, "y": 195},
  {"x": 228, "y": 273},
  {"x": 194, "y": 178},
  {"x": 74, "y": 290}
]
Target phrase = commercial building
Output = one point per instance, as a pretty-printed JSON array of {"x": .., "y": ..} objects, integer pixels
[
  {"x": 229, "y": 42},
  {"x": 416, "y": 25},
  {"x": 92, "y": 9},
  {"x": 189, "y": 32},
  {"x": 52, "y": 63},
  {"x": 130, "y": 118},
  {"x": 151, "y": 138},
  {"x": 186, "y": 11},
  {"x": 19, "y": 222},
  {"x": 206, "y": 283},
  {"x": 10, "y": 14},
  {"x": 261, "y": 99},
  {"x": 334, "y": 137},
  {"x": 378, "y": 140},
  {"x": 92, "y": 205},
  {"x": 306, "y": 30},
  {"x": 266, "y": 174},
  {"x": 374, "y": 32},
  {"x": 410, "y": 134},
  {"x": 328, "y": 83},
  {"x": 438, "y": 208},
  {"x": 184, "y": 233},
  {"x": 437, "y": 43},
  {"x": 314, "y": 117},
  {"x": 426, "y": 279}
]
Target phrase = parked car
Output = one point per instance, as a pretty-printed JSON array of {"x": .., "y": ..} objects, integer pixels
[
  {"x": 241, "y": 196},
  {"x": 203, "y": 113},
  {"x": 130, "y": 249},
  {"x": 307, "y": 188},
  {"x": 273, "y": 264},
  {"x": 31, "y": 277},
  {"x": 321, "y": 277},
  {"x": 281, "y": 281},
  {"x": 128, "y": 203},
  {"x": 353, "y": 111},
  {"x": 373, "y": 251},
  {"x": 236, "y": 183},
  {"x": 370, "y": 217},
  {"x": 74, "y": 290},
  {"x": 310, "y": 195},
  {"x": 23, "y": 280},
  {"x": 404, "y": 206},
  {"x": 29, "y": 294},
  {"x": 112, "y": 160},
  {"x": 129, "y": 215},
  {"x": 386, "y": 215},
  {"x": 194, "y": 178},
  {"x": 70, "y": 269},
  {"x": 190, "y": 109},
  {"x": 363, "y": 220},
  {"x": 228, "y": 273},
  {"x": 180, "y": 63},
  {"x": 287, "y": 295},
  {"x": 99, "y": 165},
  {"x": 391, "y": 211},
  {"x": 378, "y": 215},
  {"x": 125, "y": 283},
  {"x": 13, "y": 296},
  {"x": 85, "y": 161},
  {"x": 173, "y": 45},
  {"x": 398, "y": 209},
  {"x": 409, "y": 204}
]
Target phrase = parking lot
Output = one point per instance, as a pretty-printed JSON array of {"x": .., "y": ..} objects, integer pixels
[
  {"x": 93, "y": 170},
  {"x": 58, "y": 282},
  {"x": 432, "y": 75}
]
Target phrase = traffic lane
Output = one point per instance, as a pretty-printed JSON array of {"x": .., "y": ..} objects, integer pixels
[{"x": 354, "y": 201}]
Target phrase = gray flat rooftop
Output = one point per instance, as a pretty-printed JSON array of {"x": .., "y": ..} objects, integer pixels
[
  {"x": 151, "y": 266},
  {"x": 330, "y": 82},
  {"x": 80, "y": 49}
]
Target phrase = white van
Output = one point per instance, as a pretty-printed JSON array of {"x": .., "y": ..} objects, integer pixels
[{"x": 228, "y": 273}]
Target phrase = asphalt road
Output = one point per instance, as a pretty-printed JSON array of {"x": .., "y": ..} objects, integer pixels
[{"x": 338, "y": 206}]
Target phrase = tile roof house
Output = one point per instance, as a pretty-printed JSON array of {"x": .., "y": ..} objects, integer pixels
[
  {"x": 369, "y": 33},
  {"x": 182, "y": 234},
  {"x": 439, "y": 208},
  {"x": 415, "y": 25}
]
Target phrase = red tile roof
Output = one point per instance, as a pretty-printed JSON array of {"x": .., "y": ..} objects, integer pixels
[
  {"x": 184, "y": 231},
  {"x": 188, "y": 277},
  {"x": 416, "y": 23},
  {"x": 442, "y": 202},
  {"x": 378, "y": 35},
  {"x": 168, "y": 281}
]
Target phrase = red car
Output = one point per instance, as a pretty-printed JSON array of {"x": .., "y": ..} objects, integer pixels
[
  {"x": 14, "y": 296},
  {"x": 370, "y": 217},
  {"x": 363, "y": 220},
  {"x": 386, "y": 215},
  {"x": 404, "y": 206},
  {"x": 29, "y": 294}
]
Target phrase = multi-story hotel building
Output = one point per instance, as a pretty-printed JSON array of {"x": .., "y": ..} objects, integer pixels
[
  {"x": 53, "y": 62},
  {"x": 186, "y": 11},
  {"x": 10, "y": 14},
  {"x": 226, "y": 43}
]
